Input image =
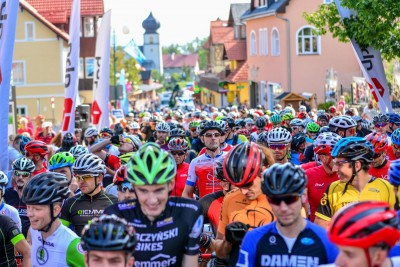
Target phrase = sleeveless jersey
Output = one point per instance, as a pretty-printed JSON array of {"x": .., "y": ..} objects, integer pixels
[
  {"x": 11, "y": 212},
  {"x": 62, "y": 248}
]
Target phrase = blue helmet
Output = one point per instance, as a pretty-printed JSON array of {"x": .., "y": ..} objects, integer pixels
[
  {"x": 394, "y": 172},
  {"x": 353, "y": 148},
  {"x": 396, "y": 137},
  {"x": 394, "y": 118}
]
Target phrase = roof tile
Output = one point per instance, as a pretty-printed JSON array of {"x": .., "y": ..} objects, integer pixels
[
  {"x": 179, "y": 61},
  {"x": 240, "y": 74},
  {"x": 236, "y": 50}
]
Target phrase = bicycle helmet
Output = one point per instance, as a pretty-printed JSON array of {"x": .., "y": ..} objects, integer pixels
[
  {"x": 211, "y": 125},
  {"x": 394, "y": 118},
  {"x": 276, "y": 119},
  {"x": 394, "y": 173},
  {"x": 91, "y": 132},
  {"x": 24, "y": 140},
  {"x": 134, "y": 139},
  {"x": 109, "y": 233},
  {"x": 297, "y": 140},
  {"x": 353, "y": 148},
  {"x": 107, "y": 130},
  {"x": 396, "y": 137},
  {"x": 342, "y": 122},
  {"x": 193, "y": 124},
  {"x": 78, "y": 151},
  {"x": 120, "y": 175},
  {"x": 177, "y": 144},
  {"x": 332, "y": 109},
  {"x": 177, "y": 132},
  {"x": 124, "y": 158},
  {"x": 249, "y": 121},
  {"x": 312, "y": 127},
  {"x": 172, "y": 125},
  {"x": 279, "y": 135},
  {"x": 322, "y": 116},
  {"x": 284, "y": 179},
  {"x": 68, "y": 141},
  {"x": 324, "y": 129},
  {"x": 151, "y": 165},
  {"x": 224, "y": 126},
  {"x": 89, "y": 163},
  {"x": 23, "y": 164},
  {"x": 230, "y": 121},
  {"x": 380, "y": 118},
  {"x": 38, "y": 147},
  {"x": 243, "y": 163},
  {"x": 364, "y": 224},
  {"x": 162, "y": 127},
  {"x": 262, "y": 138},
  {"x": 60, "y": 160},
  {"x": 287, "y": 116},
  {"x": 302, "y": 115},
  {"x": 201, "y": 126},
  {"x": 357, "y": 118},
  {"x": 324, "y": 143},
  {"x": 135, "y": 126},
  {"x": 46, "y": 188},
  {"x": 366, "y": 124},
  {"x": 296, "y": 122},
  {"x": 378, "y": 141},
  {"x": 261, "y": 122},
  {"x": 3, "y": 181},
  {"x": 219, "y": 170}
]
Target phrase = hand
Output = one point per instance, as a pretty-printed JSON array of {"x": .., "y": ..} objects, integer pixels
[
  {"x": 205, "y": 241},
  {"x": 235, "y": 232}
]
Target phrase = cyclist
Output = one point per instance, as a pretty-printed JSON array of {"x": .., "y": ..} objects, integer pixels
[
  {"x": 323, "y": 119},
  {"x": 231, "y": 137},
  {"x": 245, "y": 207},
  {"x": 292, "y": 240},
  {"x": 53, "y": 244},
  {"x": 224, "y": 146},
  {"x": 352, "y": 156},
  {"x": 109, "y": 241},
  {"x": 91, "y": 136},
  {"x": 62, "y": 163},
  {"x": 343, "y": 125},
  {"x": 68, "y": 141},
  {"x": 396, "y": 143},
  {"x": 279, "y": 142},
  {"x": 380, "y": 122},
  {"x": 202, "y": 168},
  {"x": 168, "y": 228},
  {"x": 312, "y": 130},
  {"x": 89, "y": 171},
  {"x": 22, "y": 170},
  {"x": 162, "y": 131},
  {"x": 297, "y": 126},
  {"x": 125, "y": 190},
  {"x": 262, "y": 139},
  {"x": 261, "y": 123},
  {"x": 178, "y": 148},
  {"x": 36, "y": 151},
  {"x": 276, "y": 121},
  {"x": 286, "y": 119},
  {"x": 6, "y": 209},
  {"x": 379, "y": 166},
  {"x": 364, "y": 233},
  {"x": 78, "y": 151},
  {"x": 394, "y": 123},
  {"x": 297, "y": 147}
]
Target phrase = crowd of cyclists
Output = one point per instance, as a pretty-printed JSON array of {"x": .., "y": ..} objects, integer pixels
[{"x": 218, "y": 187}]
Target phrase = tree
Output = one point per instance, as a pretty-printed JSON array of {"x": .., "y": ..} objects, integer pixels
[
  {"x": 123, "y": 61},
  {"x": 377, "y": 24}
]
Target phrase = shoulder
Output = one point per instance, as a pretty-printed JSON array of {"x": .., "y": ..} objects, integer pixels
[
  {"x": 185, "y": 204},
  {"x": 232, "y": 194},
  {"x": 318, "y": 230},
  {"x": 261, "y": 231}
]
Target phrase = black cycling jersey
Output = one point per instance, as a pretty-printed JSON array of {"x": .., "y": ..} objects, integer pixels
[
  {"x": 169, "y": 237},
  {"x": 9, "y": 236},
  {"x": 12, "y": 198},
  {"x": 81, "y": 209}
]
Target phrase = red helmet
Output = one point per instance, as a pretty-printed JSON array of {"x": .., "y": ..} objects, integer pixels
[
  {"x": 36, "y": 146},
  {"x": 243, "y": 163},
  {"x": 302, "y": 115},
  {"x": 332, "y": 109},
  {"x": 365, "y": 224},
  {"x": 120, "y": 175},
  {"x": 378, "y": 141}
]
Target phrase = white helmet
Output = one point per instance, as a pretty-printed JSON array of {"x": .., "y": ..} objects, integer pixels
[
  {"x": 343, "y": 122},
  {"x": 279, "y": 135},
  {"x": 78, "y": 151},
  {"x": 162, "y": 127},
  {"x": 134, "y": 125},
  {"x": 91, "y": 132},
  {"x": 3, "y": 180},
  {"x": 135, "y": 141},
  {"x": 89, "y": 163},
  {"x": 296, "y": 122},
  {"x": 23, "y": 164}
]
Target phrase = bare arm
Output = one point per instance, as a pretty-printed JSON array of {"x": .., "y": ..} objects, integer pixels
[
  {"x": 188, "y": 192},
  {"x": 222, "y": 247},
  {"x": 190, "y": 260},
  {"x": 99, "y": 146},
  {"x": 25, "y": 249},
  {"x": 321, "y": 222}
]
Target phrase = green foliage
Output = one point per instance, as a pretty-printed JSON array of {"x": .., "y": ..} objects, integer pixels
[
  {"x": 377, "y": 24},
  {"x": 123, "y": 61},
  {"x": 325, "y": 106}
]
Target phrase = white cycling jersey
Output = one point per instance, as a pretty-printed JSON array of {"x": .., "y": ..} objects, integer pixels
[{"x": 11, "y": 212}]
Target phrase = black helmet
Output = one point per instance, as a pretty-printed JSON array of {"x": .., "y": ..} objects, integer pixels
[
  {"x": 230, "y": 121},
  {"x": 211, "y": 125},
  {"x": 353, "y": 148},
  {"x": 261, "y": 122},
  {"x": 46, "y": 188},
  {"x": 68, "y": 141},
  {"x": 22, "y": 144},
  {"x": 297, "y": 140},
  {"x": 109, "y": 233},
  {"x": 172, "y": 125},
  {"x": 283, "y": 179},
  {"x": 177, "y": 132},
  {"x": 219, "y": 170},
  {"x": 107, "y": 130},
  {"x": 380, "y": 118}
]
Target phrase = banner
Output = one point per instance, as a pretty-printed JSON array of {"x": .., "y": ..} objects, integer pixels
[
  {"x": 371, "y": 64},
  {"x": 72, "y": 69},
  {"x": 8, "y": 21},
  {"x": 124, "y": 100},
  {"x": 101, "y": 93},
  {"x": 133, "y": 50}
]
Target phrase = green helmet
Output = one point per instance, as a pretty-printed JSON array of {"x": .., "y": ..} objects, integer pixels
[
  {"x": 151, "y": 165},
  {"x": 312, "y": 127},
  {"x": 193, "y": 124},
  {"x": 276, "y": 118},
  {"x": 60, "y": 160},
  {"x": 125, "y": 157},
  {"x": 287, "y": 117}
]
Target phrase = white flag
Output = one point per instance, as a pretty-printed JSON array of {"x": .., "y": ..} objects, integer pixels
[
  {"x": 71, "y": 69},
  {"x": 371, "y": 64},
  {"x": 101, "y": 94},
  {"x": 8, "y": 22}
]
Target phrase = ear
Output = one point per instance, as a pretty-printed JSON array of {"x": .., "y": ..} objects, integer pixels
[
  {"x": 378, "y": 256},
  {"x": 304, "y": 196},
  {"x": 56, "y": 209},
  {"x": 202, "y": 139},
  {"x": 171, "y": 185}
]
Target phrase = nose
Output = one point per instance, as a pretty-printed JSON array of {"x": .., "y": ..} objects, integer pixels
[
  {"x": 335, "y": 168},
  {"x": 340, "y": 259}
]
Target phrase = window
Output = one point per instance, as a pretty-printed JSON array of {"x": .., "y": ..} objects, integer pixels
[
  {"x": 22, "y": 110},
  {"x": 275, "y": 43},
  {"x": 88, "y": 27},
  {"x": 89, "y": 70},
  {"x": 263, "y": 42},
  {"x": 307, "y": 41},
  {"x": 29, "y": 30},
  {"x": 253, "y": 44},
  {"x": 81, "y": 75},
  {"x": 18, "y": 72},
  {"x": 262, "y": 3}
]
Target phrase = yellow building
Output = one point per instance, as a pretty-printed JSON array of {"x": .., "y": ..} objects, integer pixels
[{"x": 39, "y": 65}]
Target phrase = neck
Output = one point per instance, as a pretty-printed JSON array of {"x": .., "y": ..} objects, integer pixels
[
  {"x": 53, "y": 228},
  {"x": 95, "y": 192},
  {"x": 39, "y": 165},
  {"x": 230, "y": 135},
  {"x": 387, "y": 263},
  {"x": 361, "y": 180},
  {"x": 284, "y": 160},
  {"x": 213, "y": 154},
  {"x": 293, "y": 230},
  {"x": 328, "y": 168}
]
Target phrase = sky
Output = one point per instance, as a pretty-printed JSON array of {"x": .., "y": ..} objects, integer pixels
[{"x": 181, "y": 20}]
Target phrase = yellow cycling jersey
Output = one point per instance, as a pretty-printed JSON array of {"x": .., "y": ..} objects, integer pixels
[{"x": 334, "y": 199}]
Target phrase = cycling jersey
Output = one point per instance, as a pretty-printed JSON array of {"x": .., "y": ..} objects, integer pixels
[
  {"x": 318, "y": 182},
  {"x": 308, "y": 165},
  {"x": 381, "y": 172},
  {"x": 11, "y": 212},
  {"x": 295, "y": 157},
  {"x": 62, "y": 248},
  {"x": 202, "y": 172},
  {"x": 212, "y": 204},
  {"x": 180, "y": 179},
  {"x": 265, "y": 246},
  {"x": 12, "y": 198},
  {"x": 334, "y": 199},
  {"x": 10, "y": 235},
  {"x": 164, "y": 241},
  {"x": 227, "y": 148},
  {"x": 239, "y": 139},
  {"x": 163, "y": 146},
  {"x": 81, "y": 209},
  {"x": 36, "y": 172}
]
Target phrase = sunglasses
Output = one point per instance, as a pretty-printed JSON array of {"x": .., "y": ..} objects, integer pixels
[
  {"x": 380, "y": 125},
  {"x": 377, "y": 155},
  {"x": 288, "y": 199},
  {"x": 193, "y": 129},
  {"x": 277, "y": 146},
  {"x": 106, "y": 135},
  {"x": 295, "y": 128},
  {"x": 179, "y": 153},
  {"x": 340, "y": 163},
  {"x": 125, "y": 187},
  {"x": 85, "y": 177},
  {"x": 23, "y": 174},
  {"x": 210, "y": 135}
]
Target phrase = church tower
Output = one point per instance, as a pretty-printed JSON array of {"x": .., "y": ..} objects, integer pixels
[{"x": 151, "y": 44}]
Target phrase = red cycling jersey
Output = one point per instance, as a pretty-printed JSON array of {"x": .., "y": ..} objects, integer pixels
[
  {"x": 180, "y": 179},
  {"x": 308, "y": 165},
  {"x": 381, "y": 172}
]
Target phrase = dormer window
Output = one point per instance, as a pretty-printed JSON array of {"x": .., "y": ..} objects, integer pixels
[{"x": 88, "y": 27}]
